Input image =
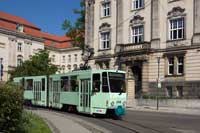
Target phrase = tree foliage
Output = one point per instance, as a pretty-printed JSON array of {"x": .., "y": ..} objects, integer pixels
[
  {"x": 11, "y": 106},
  {"x": 39, "y": 64},
  {"x": 76, "y": 31}
]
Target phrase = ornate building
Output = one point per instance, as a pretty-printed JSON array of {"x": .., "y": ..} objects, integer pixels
[
  {"x": 20, "y": 39},
  {"x": 148, "y": 39}
]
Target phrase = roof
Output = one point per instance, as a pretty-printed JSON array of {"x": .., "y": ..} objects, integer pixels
[
  {"x": 9, "y": 22},
  {"x": 16, "y": 19}
]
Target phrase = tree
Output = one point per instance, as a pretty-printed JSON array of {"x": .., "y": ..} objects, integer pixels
[
  {"x": 39, "y": 64},
  {"x": 77, "y": 31}
]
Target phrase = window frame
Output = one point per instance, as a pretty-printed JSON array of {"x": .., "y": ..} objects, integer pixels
[
  {"x": 106, "y": 39},
  {"x": 19, "y": 47},
  {"x": 180, "y": 64},
  {"x": 170, "y": 65},
  {"x": 105, "y": 9},
  {"x": 171, "y": 28},
  {"x": 135, "y": 32},
  {"x": 135, "y": 4}
]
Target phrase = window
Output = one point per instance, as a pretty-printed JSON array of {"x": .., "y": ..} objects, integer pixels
[
  {"x": 137, "y": 34},
  {"x": 63, "y": 68},
  {"x": 63, "y": 59},
  {"x": 105, "y": 9},
  {"x": 176, "y": 29},
  {"x": 96, "y": 83},
  {"x": 170, "y": 65},
  {"x": 74, "y": 83},
  {"x": 180, "y": 64},
  {"x": 20, "y": 27},
  {"x": 105, "y": 87},
  {"x": 53, "y": 58},
  {"x": 19, "y": 47},
  {"x": 19, "y": 60},
  {"x": 43, "y": 84},
  {"x": 69, "y": 67},
  {"x": 117, "y": 82},
  {"x": 169, "y": 91},
  {"x": 69, "y": 58},
  {"x": 137, "y": 4},
  {"x": 29, "y": 84},
  {"x": 105, "y": 40},
  {"x": 75, "y": 57},
  {"x": 75, "y": 67},
  {"x": 179, "y": 91},
  {"x": 176, "y": 62},
  {"x": 65, "y": 84}
]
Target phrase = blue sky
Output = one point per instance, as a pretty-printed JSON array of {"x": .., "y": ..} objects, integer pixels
[{"x": 46, "y": 14}]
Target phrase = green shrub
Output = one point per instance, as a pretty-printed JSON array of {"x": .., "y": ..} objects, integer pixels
[{"x": 11, "y": 106}]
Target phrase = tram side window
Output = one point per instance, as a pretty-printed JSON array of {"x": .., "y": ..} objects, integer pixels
[
  {"x": 43, "y": 84},
  {"x": 29, "y": 83},
  {"x": 21, "y": 83},
  {"x": 65, "y": 83},
  {"x": 74, "y": 83},
  {"x": 105, "y": 87},
  {"x": 96, "y": 82}
]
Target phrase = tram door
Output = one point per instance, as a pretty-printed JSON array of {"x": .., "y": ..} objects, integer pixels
[
  {"x": 84, "y": 95},
  {"x": 37, "y": 90},
  {"x": 54, "y": 92}
]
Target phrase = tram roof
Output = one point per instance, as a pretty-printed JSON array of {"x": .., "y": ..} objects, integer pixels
[{"x": 78, "y": 72}]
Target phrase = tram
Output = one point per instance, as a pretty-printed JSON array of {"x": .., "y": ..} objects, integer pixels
[{"x": 88, "y": 91}]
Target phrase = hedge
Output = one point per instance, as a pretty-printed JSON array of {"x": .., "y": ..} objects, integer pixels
[{"x": 11, "y": 107}]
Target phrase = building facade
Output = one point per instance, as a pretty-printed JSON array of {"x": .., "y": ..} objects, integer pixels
[
  {"x": 154, "y": 41},
  {"x": 20, "y": 39}
]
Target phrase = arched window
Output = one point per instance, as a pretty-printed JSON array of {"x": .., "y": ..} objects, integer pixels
[
  {"x": 69, "y": 67},
  {"x": 19, "y": 60},
  {"x": 63, "y": 68},
  {"x": 75, "y": 66}
]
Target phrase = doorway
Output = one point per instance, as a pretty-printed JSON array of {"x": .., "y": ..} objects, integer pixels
[{"x": 137, "y": 73}]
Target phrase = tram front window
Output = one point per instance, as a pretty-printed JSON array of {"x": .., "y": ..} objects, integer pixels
[{"x": 117, "y": 82}]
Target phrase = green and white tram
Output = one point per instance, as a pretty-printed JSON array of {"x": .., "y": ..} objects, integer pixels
[{"x": 88, "y": 91}]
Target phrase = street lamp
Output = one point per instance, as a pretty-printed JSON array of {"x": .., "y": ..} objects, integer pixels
[{"x": 158, "y": 82}]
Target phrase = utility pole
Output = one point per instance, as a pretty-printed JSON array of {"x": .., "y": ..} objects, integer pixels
[{"x": 158, "y": 82}]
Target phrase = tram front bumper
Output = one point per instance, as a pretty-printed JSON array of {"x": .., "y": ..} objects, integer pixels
[{"x": 120, "y": 111}]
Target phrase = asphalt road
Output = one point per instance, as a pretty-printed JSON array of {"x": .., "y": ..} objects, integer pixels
[
  {"x": 148, "y": 122},
  {"x": 144, "y": 122}
]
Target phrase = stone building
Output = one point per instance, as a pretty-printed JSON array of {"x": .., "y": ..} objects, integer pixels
[
  {"x": 140, "y": 36},
  {"x": 20, "y": 39}
]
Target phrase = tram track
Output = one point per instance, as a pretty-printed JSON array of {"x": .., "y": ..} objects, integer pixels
[{"x": 124, "y": 124}]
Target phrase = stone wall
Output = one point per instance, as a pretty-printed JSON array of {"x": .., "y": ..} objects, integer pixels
[{"x": 178, "y": 103}]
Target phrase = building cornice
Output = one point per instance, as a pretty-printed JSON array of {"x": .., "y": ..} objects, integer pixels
[
  {"x": 21, "y": 35},
  {"x": 62, "y": 49}
]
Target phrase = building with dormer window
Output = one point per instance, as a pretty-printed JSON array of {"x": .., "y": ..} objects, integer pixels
[{"x": 20, "y": 40}]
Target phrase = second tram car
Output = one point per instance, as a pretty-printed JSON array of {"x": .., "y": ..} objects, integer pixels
[{"x": 89, "y": 91}]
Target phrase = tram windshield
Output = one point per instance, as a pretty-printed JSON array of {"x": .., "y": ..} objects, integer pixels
[{"x": 117, "y": 82}]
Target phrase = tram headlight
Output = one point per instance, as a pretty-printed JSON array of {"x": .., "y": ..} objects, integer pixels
[{"x": 112, "y": 103}]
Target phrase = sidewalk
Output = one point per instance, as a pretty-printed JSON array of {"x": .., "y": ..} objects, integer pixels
[
  {"x": 187, "y": 111},
  {"x": 61, "y": 123}
]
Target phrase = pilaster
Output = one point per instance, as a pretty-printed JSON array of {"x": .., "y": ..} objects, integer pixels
[
  {"x": 196, "y": 37},
  {"x": 155, "y": 24}
]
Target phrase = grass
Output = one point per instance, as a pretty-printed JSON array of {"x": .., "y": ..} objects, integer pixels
[{"x": 32, "y": 123}]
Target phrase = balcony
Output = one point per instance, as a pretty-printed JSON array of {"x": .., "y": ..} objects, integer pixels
[{"x": 133, "y": 48}]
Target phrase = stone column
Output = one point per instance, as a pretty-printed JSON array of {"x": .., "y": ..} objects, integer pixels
[
  {"x": 196, "y": 37},
  {"x": 155, "y": 24},
  {"x": 130, "y": 86}
]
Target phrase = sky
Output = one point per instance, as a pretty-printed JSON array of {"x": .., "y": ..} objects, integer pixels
[{"x": 45, "y": 14}]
